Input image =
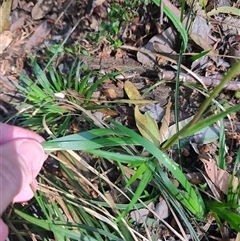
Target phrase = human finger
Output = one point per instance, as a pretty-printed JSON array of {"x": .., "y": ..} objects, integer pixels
[
  {"x": 9, "y": 133},
  {"x": 26, "y": 193},
  {"x": 3, "y": 230},
  {"x": 20, "y": 162}
]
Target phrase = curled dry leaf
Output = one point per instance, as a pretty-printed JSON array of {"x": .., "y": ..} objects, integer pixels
[{"x": 219, "y": 177}]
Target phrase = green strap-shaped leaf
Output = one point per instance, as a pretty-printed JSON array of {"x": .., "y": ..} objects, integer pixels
[{"x": 176, "y": 22}]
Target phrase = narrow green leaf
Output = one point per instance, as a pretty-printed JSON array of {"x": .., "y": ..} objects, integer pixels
[
  {"x": 209, "y": 121},
  {"x": 142, "y": 169},
  {"x": 224, "y": 9},
  {"x": 85, "y": 144},
  {"x": 146, "y": 177},
  {"x": 184, "y": 197},
  {"x": 198, "y": 207},
  {"x": 56, "y": 228},
  {"x": 177, "y": 23},
  {"x": 200, "y": 55},
  {"x": 185, "y": 130},
  {"x": 122, "y": 158},
  {"x": 41, "y": 77},
  {"x": 222, "y": 210},
  {"x": 222, "y": 141}
]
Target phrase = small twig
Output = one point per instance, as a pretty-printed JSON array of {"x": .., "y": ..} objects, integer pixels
[
  {"x": 147, "y": 52},
  {"x": 191, "y": 76},
  {"x": 208, "y": 81}
]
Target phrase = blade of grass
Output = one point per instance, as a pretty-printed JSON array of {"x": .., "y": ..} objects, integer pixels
[
  {"x": 121, "y": 158},
  {"x": 41, "y": 77},
  {"x": 93, "y": 87},
  {"x": 176, "y": 22},
  {"x": 224, "y": 212},
  {"x": 222, "y": 152},
  {"x": 196, "y": 205},
  {"x": 207, "y": 122},
  {"x": 145, "y": 179},
  {"x": 170, "y": 197},
  {"x": 184, "y": 131},
  {"x": 56, "y": 228}
]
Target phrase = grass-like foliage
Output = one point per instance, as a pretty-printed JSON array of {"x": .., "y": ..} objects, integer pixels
[
  {"x": 44, "y": 95},
  {"x": 69, "y": 211}
]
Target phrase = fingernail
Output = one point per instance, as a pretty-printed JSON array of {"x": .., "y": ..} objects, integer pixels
[{"x": 32, "y": 154}]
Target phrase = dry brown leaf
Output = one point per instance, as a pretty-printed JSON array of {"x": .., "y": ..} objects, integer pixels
[
  {"x": 108, "y": 113},
  {"x": 132, "y": 91},
  {"x": 230, "y": 24},
  {"x": 14, "y": 4},
  {"x": 103, "y": 54},
  {"x": 234, "y": 50},
  {"x": 6, "y": 38},
  {"x": 110, "y": 93},
  {"x": 219, "y": 177},
  {"x": 147, "y": 126},
  {"x": 140, "y": 215},
  {"x": 38, "y": 36},
  {"x": 5, "y": 10},
  {"x": 162, "y": 209},
  {"x": 202, "y": 42},
  {"x": 41, "y": 8},
  {"x": 162, "y": 43},
  {"x": 215, "y": 191},
  {"x": 165, "y": 122},
  {"x": 18, "y": 24},
  {"x": 199, "y": 33}
]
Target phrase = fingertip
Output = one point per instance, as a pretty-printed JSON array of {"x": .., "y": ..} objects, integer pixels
[
  {"x": 26, "y": 193},
  {"x": 32, "y": 154},
  {"x": 9, "y": 133}
]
